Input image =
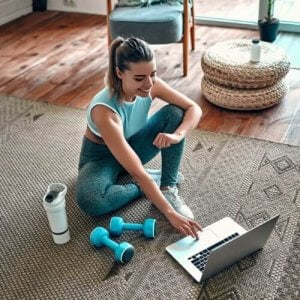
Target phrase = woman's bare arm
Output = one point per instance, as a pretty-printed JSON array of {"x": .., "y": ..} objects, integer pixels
[{"x": 191, "y": 118}]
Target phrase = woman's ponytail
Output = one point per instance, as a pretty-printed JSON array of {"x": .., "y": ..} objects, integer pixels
[
  {"x": 112, "y": 80},
  {"x": 122, "y": 53}
]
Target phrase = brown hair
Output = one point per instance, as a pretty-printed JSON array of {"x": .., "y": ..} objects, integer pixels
[{"x": 122, "y": 52}]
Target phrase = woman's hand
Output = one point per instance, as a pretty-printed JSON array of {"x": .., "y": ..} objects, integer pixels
[
  {"x": 164, "y": 140},
  {"x": 184, "y": 225}
]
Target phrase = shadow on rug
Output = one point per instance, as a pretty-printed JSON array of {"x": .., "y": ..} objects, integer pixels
[{"x": 247, "y": 179}]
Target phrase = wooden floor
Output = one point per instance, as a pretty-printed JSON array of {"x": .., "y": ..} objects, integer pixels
[{"x": 61, "y": 58}]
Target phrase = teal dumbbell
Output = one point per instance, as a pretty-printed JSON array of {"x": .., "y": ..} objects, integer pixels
[
  {"x": 117, "y": 226},
  {"x": 123, "y": 252}
]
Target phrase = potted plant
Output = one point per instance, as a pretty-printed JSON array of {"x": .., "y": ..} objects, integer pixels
[{"x": 268, "y": 26}]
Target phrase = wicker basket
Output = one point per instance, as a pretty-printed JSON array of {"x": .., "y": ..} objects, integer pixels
[
  {"x": 238, "y": 99},
  {"x": 228, "y": 63}
]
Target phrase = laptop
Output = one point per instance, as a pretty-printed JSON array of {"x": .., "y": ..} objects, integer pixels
[{"x": 220, "y": 245}]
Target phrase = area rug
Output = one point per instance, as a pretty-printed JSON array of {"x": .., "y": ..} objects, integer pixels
[{"x": 246, "y": 179}]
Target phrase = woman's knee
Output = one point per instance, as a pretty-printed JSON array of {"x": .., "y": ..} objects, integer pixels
[{"x": 175, "y": 113}]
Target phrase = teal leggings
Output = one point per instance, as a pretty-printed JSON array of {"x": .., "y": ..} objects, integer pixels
[{"x": 97, "y": 190}]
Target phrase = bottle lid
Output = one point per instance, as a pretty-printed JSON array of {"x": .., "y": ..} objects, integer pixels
[
  {"x": 55, "y": 196},
  {"x": 52, "y": 195},
  {"x": 255, "y": 41}
]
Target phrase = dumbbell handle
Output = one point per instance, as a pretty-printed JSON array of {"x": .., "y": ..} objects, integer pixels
[
  {"x": 110, "y": 243},
  {"x": 133, "y": 226}
]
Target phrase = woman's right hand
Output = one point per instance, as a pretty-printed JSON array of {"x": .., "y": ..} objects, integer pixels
[{"x": 184, "y": 225}]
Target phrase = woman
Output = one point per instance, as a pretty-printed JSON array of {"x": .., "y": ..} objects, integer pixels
[{"x": 120, "y": 137}]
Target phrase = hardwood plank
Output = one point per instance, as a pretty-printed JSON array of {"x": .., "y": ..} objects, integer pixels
[
  {"x": 60, "y": 64},
  {"x": 35, "y": 47},
  {"x": 15, "y": 29}
]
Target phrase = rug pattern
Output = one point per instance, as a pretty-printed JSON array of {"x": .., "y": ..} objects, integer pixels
[{"x": 246, "y": 179}]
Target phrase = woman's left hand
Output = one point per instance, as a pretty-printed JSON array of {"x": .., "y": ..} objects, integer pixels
[
  {"x": 183, "y": 225},
  {"x": 164, "y": 140}
]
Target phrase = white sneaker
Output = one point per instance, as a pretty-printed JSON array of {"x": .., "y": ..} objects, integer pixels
[
  {"x": 156, "y": 176},
  {"x": 177, "y": 202}
]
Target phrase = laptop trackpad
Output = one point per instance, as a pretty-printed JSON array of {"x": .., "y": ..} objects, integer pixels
[{"x": 189, "y": 245}]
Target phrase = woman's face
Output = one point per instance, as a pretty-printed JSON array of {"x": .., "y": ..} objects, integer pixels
[{"x": 138, "y": 80}]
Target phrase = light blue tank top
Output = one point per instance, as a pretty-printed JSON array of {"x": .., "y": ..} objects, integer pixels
[{"x": 133, "y": 114}]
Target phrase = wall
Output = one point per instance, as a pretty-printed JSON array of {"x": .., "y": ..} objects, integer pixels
[
  {"x": 84, "y": 6},
  {"x": 13, "y": 9}
]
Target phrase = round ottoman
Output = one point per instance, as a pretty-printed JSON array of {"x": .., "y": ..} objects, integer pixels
[
  {"x": 246, "y": 99},
  {"x": 228, "y": 72},
  {"x": 228, "y": 63}
]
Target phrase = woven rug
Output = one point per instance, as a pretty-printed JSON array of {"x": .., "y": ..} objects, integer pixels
[{"x": 247, "y": 179}]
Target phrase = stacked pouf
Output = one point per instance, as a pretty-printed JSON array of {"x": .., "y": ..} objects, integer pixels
[{"x": 231, "y": 81}]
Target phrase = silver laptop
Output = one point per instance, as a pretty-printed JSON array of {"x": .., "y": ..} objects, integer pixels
[{"x": 220, "y": 245}]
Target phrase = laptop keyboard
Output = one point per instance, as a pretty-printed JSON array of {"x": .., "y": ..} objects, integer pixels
[{"x": 199, "y": 259}]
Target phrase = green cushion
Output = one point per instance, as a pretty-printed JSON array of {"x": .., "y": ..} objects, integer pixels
[{"x": 156, "y": 24}]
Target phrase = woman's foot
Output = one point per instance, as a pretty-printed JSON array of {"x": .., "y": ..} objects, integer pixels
[{"x": 171, "y": 194}]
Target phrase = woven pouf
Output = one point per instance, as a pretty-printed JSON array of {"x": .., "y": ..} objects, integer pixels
[
  {"x": 228, "y": 63},
  {"x": 243, "y": 99}
]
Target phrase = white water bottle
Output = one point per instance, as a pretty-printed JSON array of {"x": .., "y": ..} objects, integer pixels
[
  {"x": 55, "y": 206},
  {"x": 255, "y": 51}
]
